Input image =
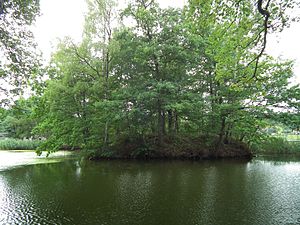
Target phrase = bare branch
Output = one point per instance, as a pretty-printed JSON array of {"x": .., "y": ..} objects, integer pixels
[{"x": 265, "y": 13}]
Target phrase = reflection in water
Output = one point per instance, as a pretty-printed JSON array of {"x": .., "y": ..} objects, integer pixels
[
  {"x": 203, "y": 194},
  {"x": 134, "y": 193},
  {"x": 3, "y": 200},
  {"x": 277, "y": 194},
  {"x": 292, "y": 168},
  {"x": 152, "y": 193},
  {"x": 78, "y": 169}
]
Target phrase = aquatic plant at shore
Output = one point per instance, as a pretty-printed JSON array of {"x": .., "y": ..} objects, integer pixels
[{"x": 18, "y": 144}]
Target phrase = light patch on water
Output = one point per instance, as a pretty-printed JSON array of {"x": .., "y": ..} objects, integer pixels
[
  {"x": 292, "y": 167},
  {"x": 78, "y": 170},
  {"x": 12, "y": 159}
]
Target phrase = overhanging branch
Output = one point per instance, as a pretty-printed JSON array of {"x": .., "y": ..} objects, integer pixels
[{"x": 266, "y": 14}]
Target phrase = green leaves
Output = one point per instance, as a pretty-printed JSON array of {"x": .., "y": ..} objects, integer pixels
[{"x": 19, "y": 58}]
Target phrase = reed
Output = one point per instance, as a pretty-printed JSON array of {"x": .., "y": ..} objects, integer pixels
[
  {"x": 278, "y": 145},
  {"x": 18, "y": 144}
]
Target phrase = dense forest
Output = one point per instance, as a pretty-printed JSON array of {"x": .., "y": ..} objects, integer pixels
[{"x": 146, "y": 81}]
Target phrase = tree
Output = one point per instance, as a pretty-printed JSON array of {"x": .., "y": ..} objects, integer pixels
[
  {"x": 99, "y": 33},
  {"x": 232, "y": 36},
  {"x": 80, "y": 85},
  {"x": 67, "y": 106},
  {"x": 18, "y": 121},
  {"x": 18, "y": 54},
  {"x": 152, "y": 64}
]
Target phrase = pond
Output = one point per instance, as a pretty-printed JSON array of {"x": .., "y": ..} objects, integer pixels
[{"x": 72, "y": 191}]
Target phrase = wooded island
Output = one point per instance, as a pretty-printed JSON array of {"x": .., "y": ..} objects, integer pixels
[{"x": 151, "y": 82}]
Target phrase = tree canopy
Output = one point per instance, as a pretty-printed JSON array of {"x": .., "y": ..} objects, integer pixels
[{"x": 18, "y": 52}]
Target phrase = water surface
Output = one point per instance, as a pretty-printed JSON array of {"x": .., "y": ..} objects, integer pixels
[{"x": 263, "y": 191}]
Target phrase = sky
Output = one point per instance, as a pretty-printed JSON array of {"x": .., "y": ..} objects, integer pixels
[{"x": 62, "y": 18}]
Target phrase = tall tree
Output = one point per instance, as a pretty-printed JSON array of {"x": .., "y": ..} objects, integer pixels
[
  {"x": 233, "y": 38},
  {"x": 81, "y": 84},
  {"x": 158, "y": 55}
]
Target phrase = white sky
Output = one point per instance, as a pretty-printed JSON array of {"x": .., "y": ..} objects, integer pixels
[{"x": 62, "y": 18}]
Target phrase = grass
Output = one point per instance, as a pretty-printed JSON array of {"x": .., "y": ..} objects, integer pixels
[
  {"x": 289, "y": 137},
  {"x": 17, "y": 144},
  {"x": 293, "y": 137},
  {"x": 278, "y": 145}
]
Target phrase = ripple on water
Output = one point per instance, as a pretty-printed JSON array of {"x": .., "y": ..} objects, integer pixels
[
  {"x": 178, "y": 193},
  {"x": 18, "y": 203}
]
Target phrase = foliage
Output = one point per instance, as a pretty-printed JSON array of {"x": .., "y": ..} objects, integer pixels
[
  {"x": 197, "y": 74},
  {"x": 19, "y": 60},
  {"x": 18, "y": 120}
]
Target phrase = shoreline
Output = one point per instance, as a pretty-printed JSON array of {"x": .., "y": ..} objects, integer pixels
[{"x": 96, "y": 159}]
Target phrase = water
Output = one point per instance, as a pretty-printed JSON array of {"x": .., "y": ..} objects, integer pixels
[{"x": 263, "y": 191}]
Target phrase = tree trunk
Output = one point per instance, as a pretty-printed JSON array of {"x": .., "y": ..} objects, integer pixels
[
  {"x": 106, "y": 136},
  {"x": 242, "y": 138},
  {"x": 222, "y": 133},
  {"x": 163, "y": 122},
  {"x": 170, "y": 122},
  {"x": 176, "y": 123},
  {"x": 159, "y": 122},
  {"x": 228, "y": 133}
]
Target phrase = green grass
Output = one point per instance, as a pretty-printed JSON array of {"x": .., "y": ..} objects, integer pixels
[
  {"x": 289, "y": 137},
  {"x": 293, "y": 137},
  {"x": 17, "y": 144},
  {"x": 278, "y": 145}
]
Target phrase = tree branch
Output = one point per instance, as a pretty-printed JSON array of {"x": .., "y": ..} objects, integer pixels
[
  {"x": 85, "y": 61},
  {"x": 265, "y": 13}
]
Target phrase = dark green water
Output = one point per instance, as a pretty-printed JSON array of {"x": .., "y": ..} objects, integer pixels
[{"x": 152, "y": 193}]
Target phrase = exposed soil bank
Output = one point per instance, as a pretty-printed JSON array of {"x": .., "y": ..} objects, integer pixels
[{"x": 174, "y": 148}]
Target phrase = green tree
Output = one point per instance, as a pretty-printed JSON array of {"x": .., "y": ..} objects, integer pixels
[
  {"x": 152, "y": 66},
  {"x": 18, "y": 121},
  {"x": 80, "y": 85},
  {"x": 18, "y": 53}
]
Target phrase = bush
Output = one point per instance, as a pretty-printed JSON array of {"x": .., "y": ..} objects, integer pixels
[{"x": 18, "y": 144}]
